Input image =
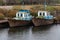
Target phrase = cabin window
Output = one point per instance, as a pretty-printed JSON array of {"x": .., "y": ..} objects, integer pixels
[
  {"x": 43, "y": 14},
  {"x": 18, "y": 15},
  {"x": 40, "y": 14},
  {"x": 21, "y": 15}
]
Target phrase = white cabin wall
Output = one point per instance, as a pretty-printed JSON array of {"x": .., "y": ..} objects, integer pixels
[
  {"x": 42, "y": 13},
  {"x": 39, "y": 13},
  {"x": 23, "y": 15},
  {"x": 45, "y": 13},
  {"x": 17, "y": 14}
]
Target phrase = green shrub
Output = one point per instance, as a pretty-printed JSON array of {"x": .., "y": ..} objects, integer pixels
[
  {"x": 34, "y": 14},
  {"x": 12, "y": 13},
  {"x": 40, "y": 17}
]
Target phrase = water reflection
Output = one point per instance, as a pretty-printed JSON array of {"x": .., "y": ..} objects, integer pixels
[
  {"x": 50, "y": 32},
  {"x": 3, "y": 34},
  {"x": 42, "y": 28},
  {"x": 20, "y": 33}
]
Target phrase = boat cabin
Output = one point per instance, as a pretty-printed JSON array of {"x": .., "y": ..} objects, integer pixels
[
  {"x": 23, "y": 15},
  {"x": 45, "y": 14}
]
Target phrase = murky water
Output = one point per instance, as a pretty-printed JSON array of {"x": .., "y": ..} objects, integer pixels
[{"x": 33, "y": 33}]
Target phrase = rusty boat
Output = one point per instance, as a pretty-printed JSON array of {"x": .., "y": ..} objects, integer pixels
[
  {"x": 23, "y": 18},
  {"x": 43, "y": 18}
]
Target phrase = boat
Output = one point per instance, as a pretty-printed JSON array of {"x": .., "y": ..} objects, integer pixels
[
  {"x": 43, "y": 18},
  {"x": 23, "y": 18}
]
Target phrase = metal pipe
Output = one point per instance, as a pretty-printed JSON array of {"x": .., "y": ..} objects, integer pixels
[{"x": 45, "y": 4}]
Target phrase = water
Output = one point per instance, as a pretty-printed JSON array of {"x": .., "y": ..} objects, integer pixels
[{"x": 33, "y": 33}]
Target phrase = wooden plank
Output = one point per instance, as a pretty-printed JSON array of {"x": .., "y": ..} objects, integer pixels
[{"x": 3, "y": 21}]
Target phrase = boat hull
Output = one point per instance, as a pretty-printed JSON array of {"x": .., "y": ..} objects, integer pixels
[
  {"x": 19, "y": 23},
  {"x": 39, "y": 22}
]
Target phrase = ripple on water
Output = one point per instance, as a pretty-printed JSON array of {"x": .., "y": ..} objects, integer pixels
[{"x": 33, "y": 33}]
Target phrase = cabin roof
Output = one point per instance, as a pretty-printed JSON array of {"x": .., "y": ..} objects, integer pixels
[{"x": 24, "y": 11}]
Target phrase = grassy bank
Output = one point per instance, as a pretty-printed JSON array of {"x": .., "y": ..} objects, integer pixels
[{"x": 33, "y": 8}]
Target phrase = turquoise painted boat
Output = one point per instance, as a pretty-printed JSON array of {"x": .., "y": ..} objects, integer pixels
[
  {"x": 48, "y": 17},
  {"x": 23, "y": 18}
]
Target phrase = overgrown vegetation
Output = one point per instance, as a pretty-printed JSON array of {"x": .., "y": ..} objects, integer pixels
[
  {"x": 34, "y": 10},
  {"x": 40, "y": 17},
  {"x": 11, "y": 13},
  {"x": 50, "y": 8}
]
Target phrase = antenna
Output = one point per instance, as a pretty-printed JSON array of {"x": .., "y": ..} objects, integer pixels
[
  {"x": 23, "y": 4},
  {"x": 45, "y": 5}
]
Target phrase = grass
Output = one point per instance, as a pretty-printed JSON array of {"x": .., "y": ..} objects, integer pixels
[
  {"x": 40, "y": 17},
  {"x": 33, "y": 8}
]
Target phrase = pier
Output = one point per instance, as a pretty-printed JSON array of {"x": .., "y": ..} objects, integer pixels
[{"x": 4, "y": 23}]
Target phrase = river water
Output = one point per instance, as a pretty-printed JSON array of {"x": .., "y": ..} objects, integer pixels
[{"x": 50, "y": 32}]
